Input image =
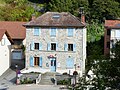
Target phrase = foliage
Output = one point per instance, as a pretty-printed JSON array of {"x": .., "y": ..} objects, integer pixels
[
  {"x": 94, "y": 31},
  {"x": 71, "y": 6},
  {"x": 27, "y": 81},
  {"x": 64, "y": 82},
  {"x": 17, "y": 10},
  {"x": 100, "y": 10},
  {"x": 107, "y": 70},
  {"x": 94, "y": 9}
]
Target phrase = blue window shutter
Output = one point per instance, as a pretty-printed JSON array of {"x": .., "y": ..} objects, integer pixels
[
  {"x": 70, "y": 32},
  {"x": 74, "y": 47},
  {"x": 36, "y": 31},
  {"x": 56, "y": 46},
  {"x": 32, "y": 46},
  {"x": 39, "y": 31},
  {"x": 53, "y": 32},
  {"x": 48, "y": 46},
  {"x": 40, "y": 61},
  {"x": 31, "y": 61},
  {"x": 66, "y": 47},
  {"x": 40, "y": 46}
]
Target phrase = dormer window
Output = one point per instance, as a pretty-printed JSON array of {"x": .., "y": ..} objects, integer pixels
[{"x": 56, "y": 16}]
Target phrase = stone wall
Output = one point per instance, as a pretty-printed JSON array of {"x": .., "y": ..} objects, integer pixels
[{"x": 61, "y": 55}]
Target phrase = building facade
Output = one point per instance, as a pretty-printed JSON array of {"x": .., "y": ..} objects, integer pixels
[
  {"x": 112, "y": 35},
  {"x": 56, "y": 42},
  {"x": 17, "y": 33},
  {"x": 5, "y": 49}
]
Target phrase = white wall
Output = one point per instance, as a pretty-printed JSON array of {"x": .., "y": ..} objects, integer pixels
[
  {"x": 4, "y": 55},
  {"x": 84, "y": 49},
  {"x": 115, "y": 34}
]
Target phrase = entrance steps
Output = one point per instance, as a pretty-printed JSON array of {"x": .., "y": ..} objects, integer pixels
[{"x": 48, "y": 78}]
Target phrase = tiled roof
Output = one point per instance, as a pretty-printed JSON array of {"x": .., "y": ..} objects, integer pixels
[
  {"x": 14, "y": 28},
  {"x": 112, "y": 23},
  {"x": 2, "y": 32},
  {"x": 56, "y": 19}
]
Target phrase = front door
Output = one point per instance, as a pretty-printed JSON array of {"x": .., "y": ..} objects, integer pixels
[
  {"x": 36, "y": 61},
  {"x": 53, "y": 64}
]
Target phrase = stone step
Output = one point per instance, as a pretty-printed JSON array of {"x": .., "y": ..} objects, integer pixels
[{"x": 47, "y": 78}]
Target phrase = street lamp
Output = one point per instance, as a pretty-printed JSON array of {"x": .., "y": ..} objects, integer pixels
[{"x": 16, "y": 67}]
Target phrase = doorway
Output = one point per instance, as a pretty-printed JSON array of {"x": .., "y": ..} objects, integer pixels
[
  {"x": 53, "y": 64},
  {"x": 36, "y": 61}
]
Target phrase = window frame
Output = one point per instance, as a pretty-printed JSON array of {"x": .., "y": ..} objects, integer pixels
[
  {"x": 53, "y": 32},
  {"x": 36, "y": 46},
  {"x": 34, "y": 31},
  {"x": 70, "y": 32},
  {"x": 70, "y": 47},
  {"x": 3, "y": 42},
  {"x": 53, "y": 46}
]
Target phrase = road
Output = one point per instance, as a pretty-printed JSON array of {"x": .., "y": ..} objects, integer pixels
[{"x": 35, "y": 87}]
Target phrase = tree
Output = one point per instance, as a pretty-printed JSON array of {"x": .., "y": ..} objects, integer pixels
[
  {"x": 71, "y": 6},
  {"x": 100, "y": 10},
  {"x": 94, "y": 31},
  {"x": 107, "y": 70}
]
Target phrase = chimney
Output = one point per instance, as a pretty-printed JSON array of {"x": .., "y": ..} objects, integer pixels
[
  {"x": 82, "y": 15},
  {"x": 33, "y": 17},
  {"x": 83, "y": 19}
]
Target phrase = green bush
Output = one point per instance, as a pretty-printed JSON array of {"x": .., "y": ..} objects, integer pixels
[
  {"x": 27, "y": 81},
  {"x": 64, "y": 82}
]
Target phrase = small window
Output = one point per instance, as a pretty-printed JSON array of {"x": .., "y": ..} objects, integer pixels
[
  {"x": 108, "y": 32},
  {"x": 56, "y": 16},
  {"x": 108, "y": 44},
  {"x": 53, "y": 32},
  {"x": 3, "y": 42},
  {"x": 37, "y": 46},
  {"x": 70, "y": 47},
  {"x": 53, "y": 46},
  {"x": 70, "y": 32},
  {"x": 36, "y": 31}
]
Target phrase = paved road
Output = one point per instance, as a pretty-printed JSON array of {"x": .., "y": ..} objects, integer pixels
[
  {"x": 9, "y": 77},
  {"x": 35, "y": 87}
]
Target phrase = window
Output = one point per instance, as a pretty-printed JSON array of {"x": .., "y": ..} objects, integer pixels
[
  {"x": 53, "y": 32},
  {"x": 3, "y": 41},
  {"x": 56, "y": 16},
  {"x": 117, "y": 33},
  {"x": 36, "y": 31},
  {"x": 53, "y": 46},
  {"x": 70, "y": 47},
  {"x": 37, "y": 46},
  {"x": 70, "y": 32},
  {"x": 36, "y": 61}
]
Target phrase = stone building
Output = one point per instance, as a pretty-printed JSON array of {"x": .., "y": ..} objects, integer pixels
[{"x": 56, "y": 42}]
